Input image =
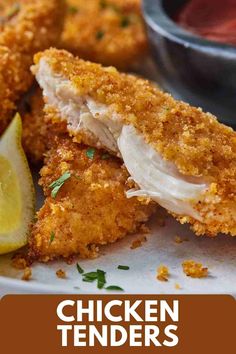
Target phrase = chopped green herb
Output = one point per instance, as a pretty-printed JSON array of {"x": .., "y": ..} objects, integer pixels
[
  {"x": 90, "y": 153},
  {"x": 106, "y": 156},
  {"x": 100, "y": 35},
  {"x": 114, "y": 287},
  {"x": 123, "y": 267},
  {"x": 88, "y": 280},
  {"x": 56, "y": 185},
  {"x": 101, "y": 278},
  {"x": 103, "y": 4},
  {"x": 80, "y": 270},
  {"x": 52, "y": 236},
  {"x": 99, "y": 275},
  {"x": 125, "y": 22},
  {"x": 13, "y": 10},
  {"x": 73, "y": 10},
  {"x": 91, "y": 275},
  {"x": 115, "y": 7}
]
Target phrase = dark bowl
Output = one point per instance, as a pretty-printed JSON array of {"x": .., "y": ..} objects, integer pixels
[{"x": 198, "y": 71}]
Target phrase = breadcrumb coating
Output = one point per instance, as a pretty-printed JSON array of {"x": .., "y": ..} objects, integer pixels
[
  {"x": 26, "y": 27},
  {"x": 37, "y": 129},
  {"x": 89, "y": 210},
  {"x": 110, "y": 32},
  {"x": 197, "y": 144}
]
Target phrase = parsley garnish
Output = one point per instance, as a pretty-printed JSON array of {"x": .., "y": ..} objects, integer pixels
[
  {"x": 103, "y": 4},
  {"x": 100, "y": 35},
  {"x": 125, "y": 22},
  {"x": 80, "y": 270},
  {"x": 101, "y": 278},
  {"x": 99, "y": 275},
  {"x": 56, "y": 185},
  {"x": 90, "y": 276},
  {"x": 114, "y": 287},
  {"x": 13, "y": 10},
  {"x": 123, "y": 267},
  {"x": 52, "y": 236},
  {"x": 90, "y": 153},
  {"x": 73, "y": 10}
]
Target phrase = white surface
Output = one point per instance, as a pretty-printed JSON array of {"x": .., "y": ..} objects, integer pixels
[{"x": 217, "y": 254}]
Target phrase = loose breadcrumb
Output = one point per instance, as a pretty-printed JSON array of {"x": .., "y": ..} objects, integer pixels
[
  {"x": 61, "y": 274},
  {"x": 163, "y": 273},
  {"x": 178, "y": 239},
  {"x": 144, "y": 229},
  {"x": 177, "y": 286},
  {"x": 19, "y": 261},
  {"x": 27, "y": 274},
  {"x": 194, "y": 270},
  {"x": 138, "y": 242}
]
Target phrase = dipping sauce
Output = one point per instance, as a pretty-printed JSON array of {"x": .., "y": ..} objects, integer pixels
[{"x": 212, "y": 19}]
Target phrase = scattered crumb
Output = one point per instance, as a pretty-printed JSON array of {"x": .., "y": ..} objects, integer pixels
[
  {"x": 144, "y": 229},
  {"x": 162, "y": 273},
  {"x": 177, "y": 286},
  {"x": 178, "y": 239},
  {"x": 19, "y": 261},
  {"x": 61, "y": 274},
  {"x": 27, "y": 274},
  {"x": 138, "y": 242},
  {"x": 194, "y": 270}
]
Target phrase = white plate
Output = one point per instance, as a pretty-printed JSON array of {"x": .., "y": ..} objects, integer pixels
[{"x": 218, "y": 254}]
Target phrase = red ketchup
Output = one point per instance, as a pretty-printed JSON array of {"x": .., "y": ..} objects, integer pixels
[{"x": 212, "y": 19}]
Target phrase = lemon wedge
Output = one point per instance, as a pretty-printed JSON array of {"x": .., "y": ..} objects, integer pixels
[{"x": 17, "y": 196}]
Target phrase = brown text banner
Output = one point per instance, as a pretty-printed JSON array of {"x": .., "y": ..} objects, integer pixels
[{"x": 70, "y": 324}]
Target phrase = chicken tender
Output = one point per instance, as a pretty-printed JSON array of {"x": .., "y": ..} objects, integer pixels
[
  {"x": 90, "y": 209},
  {"x": 181, "y": 157},
  {"x": 111, "y": 32},
  {"x": 26, "y": 26}
]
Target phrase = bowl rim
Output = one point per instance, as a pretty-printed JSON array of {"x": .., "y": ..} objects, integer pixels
[{"x": 157, "y": 18}]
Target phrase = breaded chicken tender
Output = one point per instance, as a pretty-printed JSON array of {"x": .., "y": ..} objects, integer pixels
[
  {"x": 110, "y": 32},
  {"x": 181, "y": 157},
  {"x": 90, "y": 209},
  {"x": 26, "y": 26}
]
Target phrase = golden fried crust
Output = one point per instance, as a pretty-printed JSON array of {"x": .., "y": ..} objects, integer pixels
[
  {"x": 90, "y": 209},
  {"x": 110, "y": 32},
  {"x": 193, "y": 140},
  {"x": 37, "y": 129},
  {"x": 32, "y": 26}
]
